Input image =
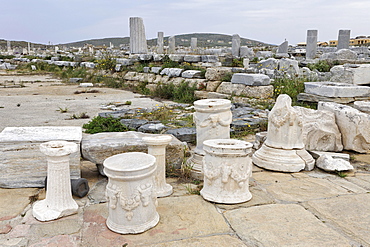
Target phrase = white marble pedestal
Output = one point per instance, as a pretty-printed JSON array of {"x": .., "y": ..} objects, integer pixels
[
  {"x": 157, "y": 147},
  {"x": 212, "y": 119},
  {"x": 130, "y": 191},
  {"x": 227, "y": 169},
  {"x": 58, "y": 201}
]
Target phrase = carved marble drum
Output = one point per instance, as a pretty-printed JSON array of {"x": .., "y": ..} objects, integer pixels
[
  {"x": 227, "y": 168},
  {"x": 132, "y": 199},
  {"x": 212, "y": 119}
]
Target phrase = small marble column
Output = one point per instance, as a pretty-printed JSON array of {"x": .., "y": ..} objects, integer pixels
[
  {"x": 227, "y": 169},
  {"x": 193, "y": 44},
  {"x": 171, "y": 45},
  {"x": 311, "y": 44},
  {"x": 138, "y": 43},
  {"x": 58, "y": 201},
  {"x": 344, "y": 37},
  {"x": 212, "y": 119},
  {"x": 157, "y": 147},
  {"x": 132, "y": 199},
  {"x": 235, "y": 46},
  {"x": 160, "y": 40}
]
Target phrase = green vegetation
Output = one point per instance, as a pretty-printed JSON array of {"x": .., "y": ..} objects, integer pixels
[
  {"x": 321, "y": 66},
  {"x": 100, "y": 124},
  {"x": 79, "y": 116},
  {"x": 183, "y": 92},
  {"x": 289, "y": 86}
]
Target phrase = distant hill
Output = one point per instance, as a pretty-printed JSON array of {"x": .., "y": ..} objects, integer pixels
[
  {"x": 24, "y": 44},
  {"x": 204, "y": 40}
]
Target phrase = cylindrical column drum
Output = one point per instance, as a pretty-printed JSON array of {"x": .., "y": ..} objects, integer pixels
[
  {"x": 227, "y": 169},
  {"x": 130, "y": 191},
  {"x": 212, "y": 119}
]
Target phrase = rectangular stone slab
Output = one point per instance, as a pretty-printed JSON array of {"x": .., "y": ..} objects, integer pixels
[
  {"x": 335, "y": 89},
  {"x": 21, "y": 161}
]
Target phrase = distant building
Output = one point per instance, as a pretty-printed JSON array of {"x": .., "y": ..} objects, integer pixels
[
  {"x": 356, "y": 41},
  {"x": 319, "y": 43}
]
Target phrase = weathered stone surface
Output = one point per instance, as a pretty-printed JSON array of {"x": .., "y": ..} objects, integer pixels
[
  {"x": 59, "y": 240},
  {"x": 220, "y": 240},
  {"x": 282, "y": 225},
  {"x": 300, "y": 190},
  {"x": 209, "y": 58},
  {"x": 191, "y": 74},
  {"x": 289, "y": 66},
  {"x": 156, "y": 70},
  {"x": 98, "y": 147},
  {"x": 336, "y": 89},
  {"x": 317, "y": 154},
  {"x": 343, "y": 54},
  {"x": 97, "y": 193},
  {"x": 14, "y": 201},
  {"x": 283, "y": 47},
  {"x": 216, "y": 74},
  {"x": 311, "y": 44},
  {"x": 183, "y": 134},
  {"x": 270, "y": 63},
  {"x": 154, "y": 128},
  {"x": 353, "y": 125},
  {"x": 246, "y": 52},
  {"x": 176, "y": 57},
  {"x": 363, "y": 106},
  {"x": 250, "y": 79},
  {"x": 328, "y": 163},
  {"x": 351, "y": 73},
  {"x": 181, "y": 217},
  {"x": 343, "y": 39},
  {"x": 137, "y": 36},
  {"x": 212, "y": 85},
  {"x": 172, "y": 72},
  {"x": 259, "y": 92},
  {"x": 235, "y": 45},
  {"x": 66, "y": 226},
  {"x": 22, "y": 159},
  {"x": 192, "y": 58},
  {"x": 320, "y": 131},
  {"x": 317, "y": 98},
  {"x": 264, "y": 54},
  {"x": 350, "y": 213}
]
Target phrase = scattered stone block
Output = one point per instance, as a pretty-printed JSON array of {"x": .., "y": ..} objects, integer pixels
[
  {"x": 320, "y": 132},
  {"x": 353, "y": 125},
  {"x": 184, "y": 134},
  {"x": 210, "y": 59},
  {"x": 270, "y": 63},
  {"x": 336, "y": 89},
  {"x": 328, "y": 163},
  {"x": 21, "y": 157},
  {"x": 358, "y": 74},
  {"x": 156, "y": 70},
  {"x": 259, "y": 92},
  {"x": 191, "y": 74},
  {"x": 363, "y": 106},
  {"x": 217, "y": 74},
  {"x": 97, "y": 147},
  {"x": 154, "y": 128},
  {"x": 75, "y": 80},
  {"x": 250, "y": 79},
  {"x": 176, "y": 57},
  {"x": 192, "y": 58},
  {"x": 318, "y": 154},
  {"x": 86, "y": 84}
]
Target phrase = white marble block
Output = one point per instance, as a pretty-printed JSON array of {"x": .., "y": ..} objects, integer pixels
[
  {"x": 320, "y": 132},
  {"x": 157, "y": 147},
  {"x": 352, "y": 124},
  {"x": 212, "y": 119},
  {"x": 58, "y": 201},
  {"x": 132, "y": 199},
  {"x": 227, "y": 169},
  {"x": 22, "y": 159},
  {"x": 284, "y": 149}
]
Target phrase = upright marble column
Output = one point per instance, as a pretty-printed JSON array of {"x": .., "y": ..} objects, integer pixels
[
  {"x": 171, "y": 45},
  {"x": 343, "y": 39},
  {"x": 138, "y": 43},
  {"x": 311, "y": 44},
  {"x": 227, "y": 169},
  {"x": 157, "y": 147},
  {"x": 235, "y": 45},
  {"x": 212, "y": 119},
  {"x": 193, "y": 44},
  {"x": 132, "y": 199},
  {"x": 160, "y": 45},
  {"x": 284, "y": 149},
  {"x": 58, "y": 201}
]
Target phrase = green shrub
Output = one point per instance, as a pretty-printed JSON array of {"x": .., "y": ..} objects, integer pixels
[
  {"x": 168, "y": 63},
  {"x": 237, "y": 62},
  {"x": 321, "y": 66},
  {"x": 100, "y": 124},
  {"x": 227, "y": 76},
  {"x": 183, "y": 93},
  {"x": 290, "y": 86}
]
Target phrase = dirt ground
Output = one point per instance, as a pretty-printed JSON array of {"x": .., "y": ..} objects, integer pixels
[{"x": 38, "y": 102}]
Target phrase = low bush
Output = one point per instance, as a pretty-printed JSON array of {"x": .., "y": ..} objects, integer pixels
[{"x": 100, "y": 124}]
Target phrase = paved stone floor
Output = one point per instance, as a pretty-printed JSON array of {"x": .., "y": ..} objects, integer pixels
[{"x": 287, "y": 209}]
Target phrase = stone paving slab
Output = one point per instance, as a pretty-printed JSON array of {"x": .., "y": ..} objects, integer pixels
[
  {"x": 299, "y": 190},
  {"x": 350, "y": 213},
  {"x": 14, "y": 201},
  {"x": 282, "y": 225},
  {"x": 220, "y": 240},
  {"x": 180, "y": 217}
]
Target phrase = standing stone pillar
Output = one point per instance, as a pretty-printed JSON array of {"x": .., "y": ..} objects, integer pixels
[
  {"x": 343, "y": 39},
  {"x": 138, "y": 43},
  {"x": 235, "y": 46},
  {"x": 160, "y": 39},
  {"x": 311, "y": 44},
  {"x": 28, "y": 48},
  {"x": 212, "y": 119},
  {"x": 193, "y": 44},
  {"x": 157, "y": 147},
  {"x": 130, "y": 191},
  {"x": 171, "y": 45},
  {"x": 58, "y": 201},
  {"x": 227, "y": 169},
  {"x": 9, "y": 46}
]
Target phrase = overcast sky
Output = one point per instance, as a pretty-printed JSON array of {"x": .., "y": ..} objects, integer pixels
[{"x": 270, "y": 21}]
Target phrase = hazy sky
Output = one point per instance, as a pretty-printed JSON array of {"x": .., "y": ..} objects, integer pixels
[{"x": 270, "y": 21}]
